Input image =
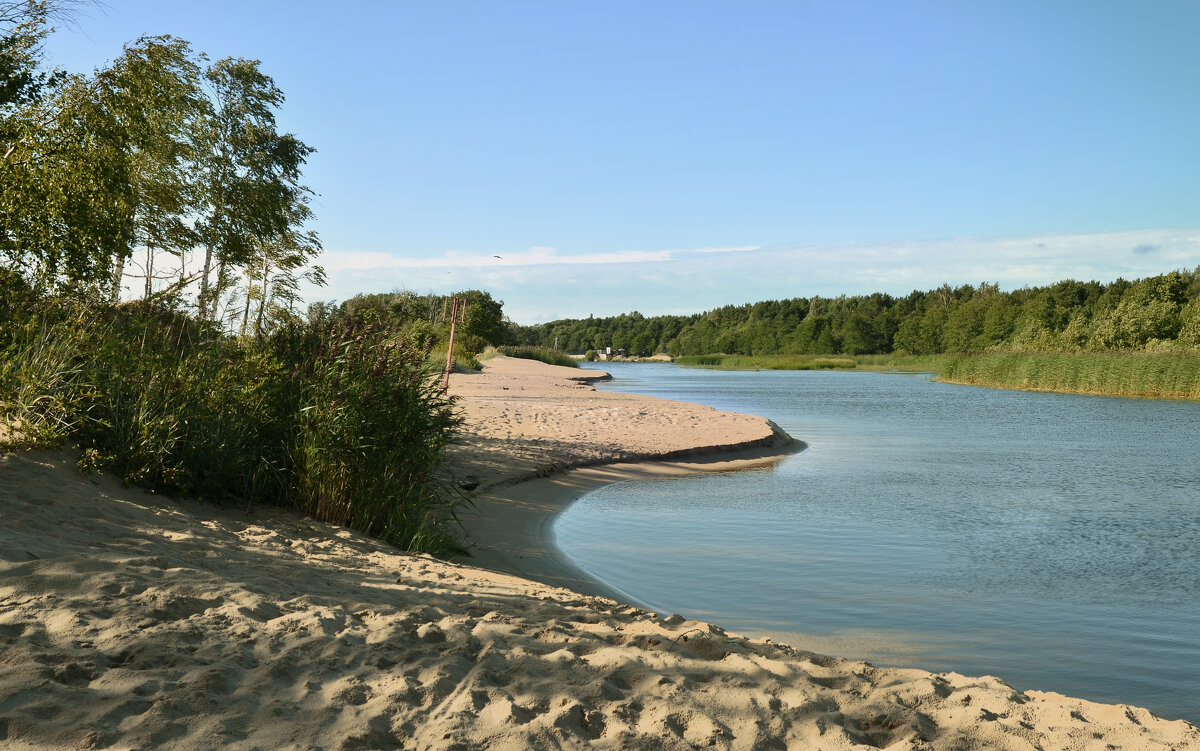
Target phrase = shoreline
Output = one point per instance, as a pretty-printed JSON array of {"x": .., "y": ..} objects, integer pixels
[
  {"x": 511, "y": 530},
  {"x": 131, "y": 620},
  {"x": 546, "y": 412}
]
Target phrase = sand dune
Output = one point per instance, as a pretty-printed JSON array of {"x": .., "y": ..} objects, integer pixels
[{"x": 129, "y": 620}]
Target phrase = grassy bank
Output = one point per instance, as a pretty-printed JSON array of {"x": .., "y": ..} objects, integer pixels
[
  {"x": 339, "y": 420},
  {"x": 1136, "y": 374},
  {"x": 766, "y": 362}
]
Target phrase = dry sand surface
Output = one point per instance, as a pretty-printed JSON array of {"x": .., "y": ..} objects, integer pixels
[
  {"x": 528, "y": 419},
  {"x": 129, "y": 620}
]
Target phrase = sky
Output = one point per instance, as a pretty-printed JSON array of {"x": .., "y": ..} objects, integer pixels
[{"x": 596, "y": 158}]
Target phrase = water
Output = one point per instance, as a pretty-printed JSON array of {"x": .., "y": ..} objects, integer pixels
[{"x": 1050, "y": 539}]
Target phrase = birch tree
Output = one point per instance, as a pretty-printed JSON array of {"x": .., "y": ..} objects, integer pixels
[
  {"x": 280, "y": 265},
  {"x": 249, "y": 175},
  {"x": 152, "y": 99}
]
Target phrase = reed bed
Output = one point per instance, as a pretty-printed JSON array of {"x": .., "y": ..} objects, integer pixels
[
  {"x": 341, "y": 421},
  {"x": 767, "y": 362},
  {"x": 1135, "y": 374},
  {"x": 1156, "y": 375}
]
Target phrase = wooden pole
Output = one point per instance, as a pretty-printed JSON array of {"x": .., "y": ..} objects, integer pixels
[{"x": 450, "y": 349}]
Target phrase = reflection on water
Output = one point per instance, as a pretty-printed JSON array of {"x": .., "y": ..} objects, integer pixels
[{"x": 1053, "y": 540}]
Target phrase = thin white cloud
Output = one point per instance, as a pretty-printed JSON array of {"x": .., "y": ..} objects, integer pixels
[
  {"x": 535, "y": 256},
  {"x": 544, "y": 284}
]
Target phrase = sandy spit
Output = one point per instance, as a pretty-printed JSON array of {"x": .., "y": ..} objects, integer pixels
[{"x": 133, "y": 621}]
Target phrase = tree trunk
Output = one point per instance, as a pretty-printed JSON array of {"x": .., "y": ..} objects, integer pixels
[
  {"x": 218, "y": 288},
  {"x": 202, "y": 301},
  {"x": 246, "y": 307},
  {"x": 114, "y": 291},
  {"x": 262, "y": 300},
  {"x": 149, "y": 271}
]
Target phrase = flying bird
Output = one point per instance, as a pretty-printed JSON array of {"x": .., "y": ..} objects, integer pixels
[{"x": 498, "y": 257}]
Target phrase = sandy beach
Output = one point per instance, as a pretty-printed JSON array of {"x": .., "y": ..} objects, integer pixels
[{"x": 134, "y": 621}]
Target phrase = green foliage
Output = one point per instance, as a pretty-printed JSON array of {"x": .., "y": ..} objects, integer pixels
[
  {"x": 464, "y": 360},
  {"x": 163, "y": 153},
  {"x": 547, "y": 355},
  {"x": 170, "y": 408},
  {"x": 159, "y": 155},
  {"x": 426, "y": 319},
  {"x": 249, "y": 195},
  {"x": 345, "y": 422},
  {"x": 591, "y": 355},
  {"x": 902, "y": 363},
  {"x": 41, "y": 395}
]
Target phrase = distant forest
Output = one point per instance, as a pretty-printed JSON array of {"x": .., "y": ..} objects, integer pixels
[{"x": 1158, "y": 314}]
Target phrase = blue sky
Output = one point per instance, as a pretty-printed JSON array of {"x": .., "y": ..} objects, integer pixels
[{"x": 671, "y": 157}]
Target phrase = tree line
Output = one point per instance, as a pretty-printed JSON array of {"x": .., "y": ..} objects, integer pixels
[
  {"x": 1159, "y": 313},
  {"x": 162, "y": 166}
]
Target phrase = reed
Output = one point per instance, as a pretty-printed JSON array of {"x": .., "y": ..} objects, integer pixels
[
  {"x": 904, "y": 363},
  {"x": 1136, "y": 374},
  {"x": 369, "y": 439},
  {"x": 767, "y": 362},
  {"x": 42, "y": 363},
  {"x": 342, "y": 422},
  {"x": 547, "y": 355}
]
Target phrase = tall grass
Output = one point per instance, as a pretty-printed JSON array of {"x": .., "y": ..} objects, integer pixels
[
  {"x": 1140, "y": 374},
  {"x": 369, "y": 439},
  {"x": 547, "y": 355},
  {"x": 1135, "y": 374},
  {"x": 340, "y": 422},
  {"x": 767, "y": 362},
  {"x": 903, "y": 362},
  {"x": 39, "y": 376}
]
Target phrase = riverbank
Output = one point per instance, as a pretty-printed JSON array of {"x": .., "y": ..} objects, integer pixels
[
  {"x": 537, "y": 437},
  {"x": 1143, "y": 375},
  {"x": 128, "y": 620}
]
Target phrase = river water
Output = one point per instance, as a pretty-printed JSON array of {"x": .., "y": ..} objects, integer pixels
[{"x": 1052, "y": 540}]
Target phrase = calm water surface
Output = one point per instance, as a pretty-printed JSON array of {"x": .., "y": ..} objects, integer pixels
[{"x": 1052, "y": 540}]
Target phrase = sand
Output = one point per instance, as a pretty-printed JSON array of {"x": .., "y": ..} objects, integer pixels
[{"x": 129, "y": 620}]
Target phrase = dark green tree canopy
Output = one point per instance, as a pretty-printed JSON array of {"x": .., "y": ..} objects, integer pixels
[{"x": 1157, "y": 313}]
